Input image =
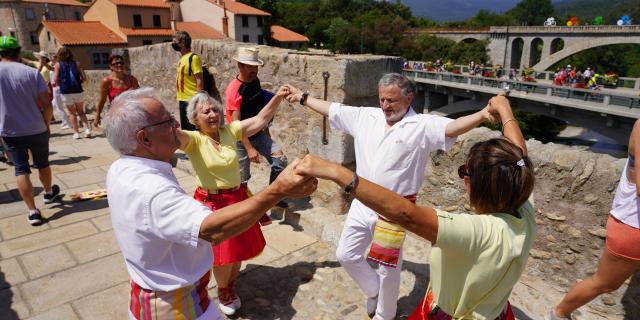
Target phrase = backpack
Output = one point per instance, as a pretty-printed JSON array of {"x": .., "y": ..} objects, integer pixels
[
  {"x": 69, "y": 78},
  {"x": 208, "y": 83}
]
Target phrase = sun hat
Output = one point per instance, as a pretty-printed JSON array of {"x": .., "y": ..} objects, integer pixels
[
  {"x": 8, "y": 43},
  {"x": 248, "y": 55},
  {"x": 42, "y": 54}
]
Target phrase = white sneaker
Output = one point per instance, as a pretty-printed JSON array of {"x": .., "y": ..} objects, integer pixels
[
  {"x": 237, "y": 303},
  {"x": 76, "y": 136},
  {"x": 87, "y": 133},
  {"x": 553, "y": 316},
  {"x": 65, "y": 126},
  {"x": 372, "y": 305},
  {"x": 228, "y": 309}
]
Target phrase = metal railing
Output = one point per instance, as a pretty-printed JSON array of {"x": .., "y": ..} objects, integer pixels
[{"x": 572, "y": 94}]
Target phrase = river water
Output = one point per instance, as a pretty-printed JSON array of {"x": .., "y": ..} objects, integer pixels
[{"x": 592, "y": 141}]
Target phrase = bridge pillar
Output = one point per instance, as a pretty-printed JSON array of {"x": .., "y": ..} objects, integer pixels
[
  {"x": 606, "y": 100},
  {"x": 526, "y": 54},
  {"x": 420, "y": 100}
]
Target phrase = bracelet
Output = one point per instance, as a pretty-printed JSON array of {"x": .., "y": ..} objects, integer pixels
[
  {"x": 348, "y": 189},
  {"x": 505, "y": 123},
  {"x": 303, "y": 98}
]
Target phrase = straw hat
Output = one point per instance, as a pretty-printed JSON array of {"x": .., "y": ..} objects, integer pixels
[
  {"x": 248, "y": 55},
  {"x": 42, "y": 54}
]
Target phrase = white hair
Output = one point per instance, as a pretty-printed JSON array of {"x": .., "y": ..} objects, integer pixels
[
  {"x": 202, "y": 98},
  {"x": 126, "y": 115},
  {"x": 390, "y": 79}
]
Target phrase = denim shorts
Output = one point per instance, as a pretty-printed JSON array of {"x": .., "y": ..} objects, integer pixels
[{"x": 18, "y": 149}]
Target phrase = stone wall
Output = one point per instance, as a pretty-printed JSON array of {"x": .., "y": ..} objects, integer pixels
[{"x": 352, "y": 80}]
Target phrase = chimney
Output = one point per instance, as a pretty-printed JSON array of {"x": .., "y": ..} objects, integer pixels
[
  {"x": 225, "y": 20},
  {"x": 174, "y": 8}
]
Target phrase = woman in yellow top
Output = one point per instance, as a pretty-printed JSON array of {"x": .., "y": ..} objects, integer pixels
[
  {"x": 476, "y": 259},
  {"x": 212, "y": 152}
]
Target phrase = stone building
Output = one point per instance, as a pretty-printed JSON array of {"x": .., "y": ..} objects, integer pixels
[{"x": 21, "y": 18}]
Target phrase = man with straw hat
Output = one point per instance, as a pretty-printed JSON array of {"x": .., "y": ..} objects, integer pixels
[{"x": 244, "y": 99}]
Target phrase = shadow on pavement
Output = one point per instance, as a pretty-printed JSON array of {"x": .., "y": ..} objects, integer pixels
[
  {"x": 77, "y": 207},
  {"x": 408, "y": 303},
  {"x": 13, "y": 195},
  {"x": 68, "y": 160},
  {"x": 6, "y": 299},
  {"x": 631, "y": 298},
  {"x": 268, "y": 292}
]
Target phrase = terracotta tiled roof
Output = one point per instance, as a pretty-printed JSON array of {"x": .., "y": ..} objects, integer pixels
[
  {"x": 62, "y": 2},
  {"x": 241, "y": 8},
  {"x": 282, "y": 34},
  {"x": 141, "y": 3},
  {"x": 71, "y": 33},
  {"x": 146, "y": 32},
  {"x": 199, "y": 30}
]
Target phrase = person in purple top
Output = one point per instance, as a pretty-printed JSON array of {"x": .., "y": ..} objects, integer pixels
[{"x": 23, "y": 127}]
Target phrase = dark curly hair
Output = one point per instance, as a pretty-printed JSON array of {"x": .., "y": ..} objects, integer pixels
[{"x": 501, "y": 176}]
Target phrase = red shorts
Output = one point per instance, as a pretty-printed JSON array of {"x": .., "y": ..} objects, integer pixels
[
  {"x": 424, "y": 311},
  {"x": 243, "y": 246},
  {"x": 622, "y": 240}
]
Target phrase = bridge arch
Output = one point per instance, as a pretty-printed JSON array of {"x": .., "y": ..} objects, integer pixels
[
  {"x": 516, "y": 52},
  {"x": 557, "y": 44},
  {"x": 535, "y": 51},
  {"x": 550, "y": 60}
]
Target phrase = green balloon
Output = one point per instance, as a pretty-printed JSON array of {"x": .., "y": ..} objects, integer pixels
[{"x": 598, "y": 20}]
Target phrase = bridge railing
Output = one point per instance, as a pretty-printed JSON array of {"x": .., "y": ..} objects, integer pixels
[{"x": 572, "y": 94}]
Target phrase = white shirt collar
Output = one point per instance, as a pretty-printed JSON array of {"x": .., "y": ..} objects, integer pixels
[{"x": 156, "y": 164}]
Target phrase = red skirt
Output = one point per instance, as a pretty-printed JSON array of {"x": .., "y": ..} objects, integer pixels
[
  {"x": 424, "y": 311},
  {"x": 243, "y": 246}
]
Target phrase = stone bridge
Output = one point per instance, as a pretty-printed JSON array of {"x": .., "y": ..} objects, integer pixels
[
  {"x": 540, "y": 47},
  {"x": 610, "y": 114}
]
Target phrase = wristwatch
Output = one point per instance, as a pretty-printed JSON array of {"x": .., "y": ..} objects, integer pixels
[
  {"x": 348, "y": 189},
  {"x": 304, "y": 97}
]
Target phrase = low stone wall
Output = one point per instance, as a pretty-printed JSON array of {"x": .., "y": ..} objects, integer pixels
[{"x": 352, "y": 80}]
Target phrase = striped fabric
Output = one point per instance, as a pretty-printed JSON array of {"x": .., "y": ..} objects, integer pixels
[
  {"x": 187, "y": 303},
  {"x": 387, "y": 241}
]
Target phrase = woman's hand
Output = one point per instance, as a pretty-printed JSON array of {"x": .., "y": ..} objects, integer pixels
[
  {"x": 314, "y": 166},
  {"x": 295, "y": 94},
  {"x": 283, "y": 92}
]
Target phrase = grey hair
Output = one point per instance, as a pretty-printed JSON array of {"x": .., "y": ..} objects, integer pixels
[
  {"x": 126, "y": 115},
  {"x": 389, "y": 79},
  {"x": 183, "y": 36},
  {"x": 202, "y": 98}
]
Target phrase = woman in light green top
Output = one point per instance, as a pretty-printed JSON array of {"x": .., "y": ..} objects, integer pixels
[{"x": 477, "y": 258}]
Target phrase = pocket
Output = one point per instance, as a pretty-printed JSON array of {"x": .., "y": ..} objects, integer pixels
[{"x": 399, "y": 156}]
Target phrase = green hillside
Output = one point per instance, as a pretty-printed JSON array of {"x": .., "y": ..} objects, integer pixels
[{"x": 611, "y": 11}]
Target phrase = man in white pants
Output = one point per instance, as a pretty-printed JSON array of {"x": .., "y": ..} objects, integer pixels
[{"x": 392, "y": 147}]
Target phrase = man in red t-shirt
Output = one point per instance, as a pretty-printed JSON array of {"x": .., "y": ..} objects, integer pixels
[{"x": 244, "y": 99}]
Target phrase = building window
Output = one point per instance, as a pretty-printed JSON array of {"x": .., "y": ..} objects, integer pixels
[
  {"x": 259, "y": 21},
  {"x": 34, "y": 38},
  {"x": 100, "y": 59},
  {"x": 156, "y": 21},
  {"x": 260, "y": 39},
  {"x": 146, "y": 42},
  {"x": 245, "y": 38},
  {"x": 245, "y": 21},
  {"x": 137, "y": 20},
  {"x": 77, "y": 15},
  {"x": 30, "y": 14},
  {"x": 48, "y": 36},
  {"x": 51, "y": 15}
]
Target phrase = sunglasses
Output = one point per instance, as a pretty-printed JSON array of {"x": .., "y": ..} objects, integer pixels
[
  {"x": 118, "y": 63},
  {"x": 462, "y": 171},
  {"x": 171, "y": 121}
]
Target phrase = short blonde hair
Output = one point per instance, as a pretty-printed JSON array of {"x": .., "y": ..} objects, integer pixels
[{"x": 200, "y": 99}]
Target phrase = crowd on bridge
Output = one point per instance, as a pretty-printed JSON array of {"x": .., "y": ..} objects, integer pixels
[{"x": 173, "y": 242}]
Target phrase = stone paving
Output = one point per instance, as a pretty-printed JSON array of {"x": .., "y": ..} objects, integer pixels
[{"x": 71, "y": 267}]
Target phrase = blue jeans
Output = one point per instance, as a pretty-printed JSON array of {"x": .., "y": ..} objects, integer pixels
[{"x": 263, "y": 143}]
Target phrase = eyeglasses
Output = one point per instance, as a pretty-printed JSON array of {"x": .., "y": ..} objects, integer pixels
[
  {"x": 118, "y": 63},
  {"x": 171, "y": 121},
  {"x": 462, "y": 171}
]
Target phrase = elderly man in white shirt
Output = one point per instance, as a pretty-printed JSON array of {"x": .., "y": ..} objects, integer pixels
[
  {"x": 164, "y": 234},
  {"x": 392, "y": 147}
]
